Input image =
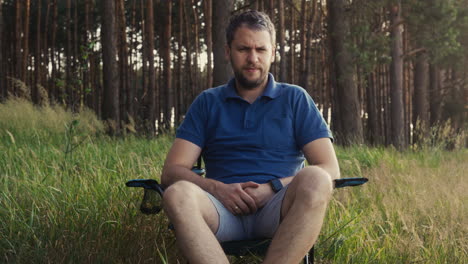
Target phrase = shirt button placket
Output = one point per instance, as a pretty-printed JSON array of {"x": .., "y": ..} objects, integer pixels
[{"x": 248, "y": 117}]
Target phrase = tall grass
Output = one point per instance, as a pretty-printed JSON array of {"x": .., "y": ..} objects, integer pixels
[{"x": 63, "y": 199}]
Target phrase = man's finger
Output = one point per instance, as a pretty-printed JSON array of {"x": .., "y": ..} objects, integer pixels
[
  {"x": 249, "y": 184},
  {"x": 249, "y": 202}
]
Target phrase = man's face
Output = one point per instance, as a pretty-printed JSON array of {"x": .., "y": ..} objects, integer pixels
[{"x": 251, "y": 54}]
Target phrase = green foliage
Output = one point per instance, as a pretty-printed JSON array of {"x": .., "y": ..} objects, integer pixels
[
  {"x": 371, "y": 45},
  {"x": 435, "y": 25}
]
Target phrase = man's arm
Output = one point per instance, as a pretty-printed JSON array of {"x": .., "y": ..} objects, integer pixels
[
  {"x": 178, "y": 166},
  {"x": 320, "y": 153}
]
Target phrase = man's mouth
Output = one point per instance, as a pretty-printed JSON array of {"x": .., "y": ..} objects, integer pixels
[{"x": 251, "y": 69}]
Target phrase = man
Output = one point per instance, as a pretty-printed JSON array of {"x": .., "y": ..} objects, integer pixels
[{"x": 253, "y": 134}]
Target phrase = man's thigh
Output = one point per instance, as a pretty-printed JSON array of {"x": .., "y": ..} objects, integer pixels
[
  {"x": 182, "y": 197},
  {"x": 262, "y": 224},
  {"x": 268, "y": 218},
  {"x": 231, "y": 227}
]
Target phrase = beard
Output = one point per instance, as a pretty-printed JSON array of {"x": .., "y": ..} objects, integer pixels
[
  {"x": 249, "y": 84},
  {"x": 246, "y": 83}
]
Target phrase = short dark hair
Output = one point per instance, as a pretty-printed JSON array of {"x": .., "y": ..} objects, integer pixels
[{"x": 255, "y": 20}]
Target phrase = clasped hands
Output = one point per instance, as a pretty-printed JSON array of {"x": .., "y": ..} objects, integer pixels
[{"x": 243, "y": 198}]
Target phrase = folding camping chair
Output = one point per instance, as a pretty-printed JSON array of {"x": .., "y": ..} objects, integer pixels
[{"x": 151, "y": 204}]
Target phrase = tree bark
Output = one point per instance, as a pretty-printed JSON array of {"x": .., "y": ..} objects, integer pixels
[
  {"x": 421, "y": 97},
  {"x": 292, "y": 41},
  {"x": 18, "y": 40},
  {"x": 68, "y": 54},
  {"x": 153, "y": 93},
  {"x": 37, "y": 59},
  {"x": 347, "y": 93},
  {"x": 282, "y": 42},
  {"x": 125, "y": 101},
  {"x": 209, "y": 42},
  {"x": 196, "y": 37},
  {"x": 3, "y": 88},
  {"x": 24, "y": 69},
  {"x": 221, "y": 12},
  {"x": 435, "y": 95},
  {"x": 179, "y": 99},
  {"x": 55, "y": 92},
  {"x": 303, "y": 57},
  {"x": 167, "y": 72},
  {"x": 396, "y": 78},
  {"x": 110, "y": 106}
]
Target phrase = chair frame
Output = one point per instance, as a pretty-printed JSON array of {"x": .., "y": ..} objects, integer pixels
[{"x": 232, "y": 248}]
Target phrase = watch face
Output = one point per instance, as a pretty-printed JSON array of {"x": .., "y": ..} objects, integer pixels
[{"x": 276, "y": 185}]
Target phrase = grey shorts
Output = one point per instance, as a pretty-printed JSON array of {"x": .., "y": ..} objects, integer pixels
[{"x": 261, "y": 224}]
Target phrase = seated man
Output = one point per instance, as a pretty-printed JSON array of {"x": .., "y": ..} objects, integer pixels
[{"x": 254, "y": 135}]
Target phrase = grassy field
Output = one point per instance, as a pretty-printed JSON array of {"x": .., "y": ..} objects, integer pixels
[{"x": 63, "y": 198}]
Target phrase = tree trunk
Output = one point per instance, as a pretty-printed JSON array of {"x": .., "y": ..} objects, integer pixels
[
  {"x": 3, "y": 88},
  {"x": 196, "y": 37},
  {"x": 372, "y": 110},
  {"x": 166, "y": 46},
  {"x": 421, "y": 97},
  {"x": 24, "y": 69},
  {"x": 179, "y": 101},
  {"x": 304, "y": 34},
  {"x": 221, "y": 12},
  {"x": 68, "y": 54},
  {"x": 110, "y": 106},
  {"x": 396, "y": 78},
  {"x": 209, "y": 42},
  {"x": 77, "y": 72},
  {"x": 282, "y": 42},
  {"x": 18, "y": 40},
  {"x": 186, "y": 92},
  {"x": 37, "y": 59},
  {"x": 53, "y": 88},
  {"x": 153, "y": 93},
  {"x": 292, "y": 41},
  {"x": 125, "y": 100},
  {"x": 435, "y": 95},
  {"x": 347, "y": 94}
]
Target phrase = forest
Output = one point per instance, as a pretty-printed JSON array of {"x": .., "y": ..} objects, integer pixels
[
  {"x": 382, "y": 72},
  {"x": 91, "y": 92}
]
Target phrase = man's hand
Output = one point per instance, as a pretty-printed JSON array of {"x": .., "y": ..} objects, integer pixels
[
  {"x": 234, "y": 197},
  {"x": 261, "y": 194}
]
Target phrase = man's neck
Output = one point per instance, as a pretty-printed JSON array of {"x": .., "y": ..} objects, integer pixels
[{"x": 250, "y": 95}]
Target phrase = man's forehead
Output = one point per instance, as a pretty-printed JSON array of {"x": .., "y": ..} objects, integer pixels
[{"x": 245, "y": 34}]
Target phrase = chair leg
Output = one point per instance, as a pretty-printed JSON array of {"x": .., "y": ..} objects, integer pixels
[{"x": 311, "y": 255}]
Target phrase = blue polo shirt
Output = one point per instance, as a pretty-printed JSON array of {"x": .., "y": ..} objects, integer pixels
[{"x": 253, "y": 142}]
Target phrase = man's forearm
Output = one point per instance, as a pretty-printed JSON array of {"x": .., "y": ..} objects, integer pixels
[{"x": 175, "y": 173}]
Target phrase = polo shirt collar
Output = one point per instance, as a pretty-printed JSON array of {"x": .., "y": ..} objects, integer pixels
[{"x": 272, "y": 89}]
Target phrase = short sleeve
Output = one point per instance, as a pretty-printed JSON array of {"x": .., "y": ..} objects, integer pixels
[
  {"x": 193, "y": 128},
  {"x": 308, "y": 121}
]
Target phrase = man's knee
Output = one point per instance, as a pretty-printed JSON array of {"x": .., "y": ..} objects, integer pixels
[
  {"x": 313, "y": 186},
  {"x": 179, "y": 195}
]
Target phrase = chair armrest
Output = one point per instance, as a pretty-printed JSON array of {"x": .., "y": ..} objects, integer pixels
[
  {"x": 345, "y": 182},
  {"x": 152, "y": 198},
  {"x": 146, "y": 184}
]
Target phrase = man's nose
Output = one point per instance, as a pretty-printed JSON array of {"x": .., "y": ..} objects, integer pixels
[{"x": 252, "y": 57}]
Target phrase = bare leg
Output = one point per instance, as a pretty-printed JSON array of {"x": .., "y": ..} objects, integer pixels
[
  {"x": 302, "y": 212},
  {"x": 195, "y": 220}
]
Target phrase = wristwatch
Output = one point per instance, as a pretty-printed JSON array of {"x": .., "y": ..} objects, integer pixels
[{"x": 276, "y": 185}]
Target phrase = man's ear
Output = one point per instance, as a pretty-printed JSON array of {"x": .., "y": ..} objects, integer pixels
[
  {"x": 273, "y": 53},
  {"x": 227, "y": 52}
]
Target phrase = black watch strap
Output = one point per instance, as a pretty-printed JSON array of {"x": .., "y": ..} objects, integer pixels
[{"x": 276, "y": 185}]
